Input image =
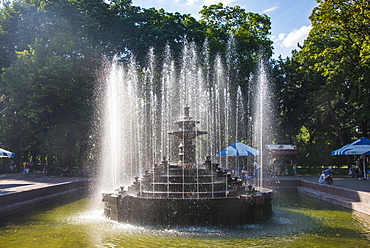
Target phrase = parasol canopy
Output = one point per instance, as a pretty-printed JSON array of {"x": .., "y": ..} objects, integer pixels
[
  {"x": 238, "y": 149},
  {"x": 6, "y": 154},
  {"x": 358, "y": 147}
]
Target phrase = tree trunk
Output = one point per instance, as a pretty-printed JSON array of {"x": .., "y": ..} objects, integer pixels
[
  {"x": 364, "y": 128},
  {"x": 336, "y": 124},
  {"x": 338, "y": 129}
]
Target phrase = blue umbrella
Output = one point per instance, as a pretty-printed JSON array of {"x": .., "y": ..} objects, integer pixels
[
  {"x": 6, "y": 154},
  {"x": 238, "y": 149},
  {"x": 358, "y": 147}
]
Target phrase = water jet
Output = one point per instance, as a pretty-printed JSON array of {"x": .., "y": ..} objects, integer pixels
[
  {"x": 186, "y": 194},
  {"x": 163, "y": 154}
]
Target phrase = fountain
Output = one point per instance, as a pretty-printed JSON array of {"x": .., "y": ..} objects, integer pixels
[{"x": 186, "y": 192}]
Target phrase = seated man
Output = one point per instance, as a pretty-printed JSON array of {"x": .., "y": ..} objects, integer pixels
[{"x": 326, "y": 177}]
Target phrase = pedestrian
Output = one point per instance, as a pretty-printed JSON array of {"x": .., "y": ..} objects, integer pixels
[
  {"x": 282, "y": 167},
  {"x": 12, "y": 166},
  {"x": 295, "y": 171},
  {"x": 256, "y": 169},
  {"x": 46, "y": 169},
  {"x": 27, "y": 168}
]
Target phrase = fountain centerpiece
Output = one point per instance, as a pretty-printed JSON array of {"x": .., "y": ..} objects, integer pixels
[
  {"x": 186, "y": 193},
  {"x": 187, "y": 134}
]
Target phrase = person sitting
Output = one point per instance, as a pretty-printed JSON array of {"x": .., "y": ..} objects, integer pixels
[
  {"x": 357, "y": 172},
  {"x": 64, "y": 172},
  {"x": 351, "y": 171},
  {"x": 326, "y": 177}
]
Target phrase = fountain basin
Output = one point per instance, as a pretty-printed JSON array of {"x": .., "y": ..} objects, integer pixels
[
  {"x": 188, "y": 193},
  {"x": 206, "y": 211}
]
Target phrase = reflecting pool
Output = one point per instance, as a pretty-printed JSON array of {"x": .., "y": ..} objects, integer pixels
[{"x": 298, "y": 221}]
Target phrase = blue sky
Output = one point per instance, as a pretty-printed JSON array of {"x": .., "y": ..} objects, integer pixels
[{"x": 289, "y": 18}]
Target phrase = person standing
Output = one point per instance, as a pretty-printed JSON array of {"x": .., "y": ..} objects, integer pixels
[
  {"x": 46, "y": 169},
  {"x": 256, "y": 169},
  {"x": 12, "y": 166},
  {"x": 282, "y": 167},
  {"x": 27, "y": 168},
  {"x": 295, "y": 171}
]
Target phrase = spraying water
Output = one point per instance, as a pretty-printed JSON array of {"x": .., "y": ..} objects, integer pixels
[
  {"x": 141, "y": 105},
  {"x": 261, "y": 118}
]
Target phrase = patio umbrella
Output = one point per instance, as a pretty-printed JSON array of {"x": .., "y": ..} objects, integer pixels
[
  {"x": 6, "y": 154},
  {"x": 238, "y": 149},
  {"x": 358, "y": 147}
]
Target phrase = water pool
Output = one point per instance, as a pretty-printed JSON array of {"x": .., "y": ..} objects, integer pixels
[{"x": 298, "y": 221}]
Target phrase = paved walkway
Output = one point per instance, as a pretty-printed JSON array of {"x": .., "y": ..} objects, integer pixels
[
  {"x": 19, "y": 192},
  {"x": 17, "y": 182},
  {"x": 12, "y": 182},
  {"x": 339, "y": 181}
]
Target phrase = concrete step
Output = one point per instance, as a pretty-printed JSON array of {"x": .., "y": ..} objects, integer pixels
[
  {"x": 24, "y": 205},
  {"x": 349, "y": 203},
  {"x": 281, "y": 184},
  {"x": 23, "y": 198}
]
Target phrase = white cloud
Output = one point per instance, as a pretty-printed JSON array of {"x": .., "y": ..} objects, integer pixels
[
  {"x": 210, "y": 2},
  {"x": 191, "y": 2},
  {"x": 269, "y": 10},
  {"x": 198, "y": 4},
  {"x": 296, "y": 36},
  {"x": 281, "y": 36}
]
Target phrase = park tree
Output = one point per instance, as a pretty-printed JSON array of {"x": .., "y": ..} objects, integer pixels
[
  {"x": 52, "y": 50},
  {"x": 142, "y": 29},
  {"x": 48, "y": 86},
  {"x": 250, "y": 31},
  {"x": 323, "y": 90},
  {"x": 240, "y": 38},
  {"x": 338, "y": 48},
  {"x": 290, "y": 92}
]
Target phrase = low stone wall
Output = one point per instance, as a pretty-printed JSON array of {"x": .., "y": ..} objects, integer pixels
[
  {"x": 24, "y": 200},
  {"x": 281, "y": 184},
  {"x": 348, "y": 198}
]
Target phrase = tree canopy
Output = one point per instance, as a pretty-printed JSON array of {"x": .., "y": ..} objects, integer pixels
[
  {"x": 52, "y": 52},
  {"x": 330, "y": 78}
]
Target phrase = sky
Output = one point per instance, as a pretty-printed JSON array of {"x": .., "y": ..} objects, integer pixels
[{"x": 289, "y": 18}]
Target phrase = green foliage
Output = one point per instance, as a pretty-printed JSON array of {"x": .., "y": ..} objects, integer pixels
[
  {"x": 325, "y": 86},
  {"x": 48, "y": 83},
  {"x": 250, "y": 31},
  {"x": 50, "y": 52},
  {"x": 338, "y": 49}
]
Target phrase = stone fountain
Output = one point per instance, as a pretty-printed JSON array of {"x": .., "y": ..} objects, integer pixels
[{"x": 186, "y": 193}]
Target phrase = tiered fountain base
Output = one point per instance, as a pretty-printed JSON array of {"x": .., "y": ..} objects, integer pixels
[
  {"x": 226, "y": 211},
  {"x": 187, "y": 193}
]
